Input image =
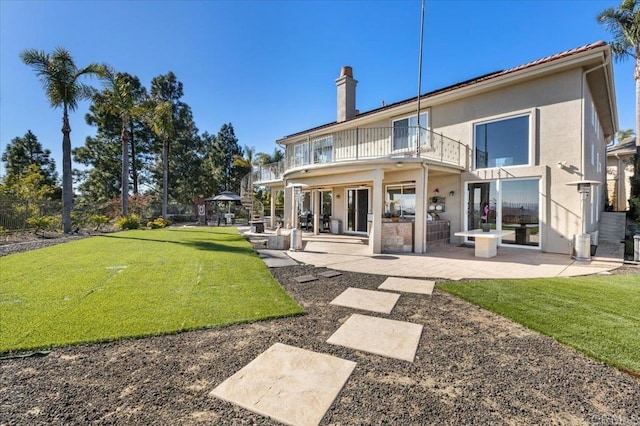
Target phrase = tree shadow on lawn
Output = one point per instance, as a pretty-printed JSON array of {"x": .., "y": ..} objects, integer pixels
[{"x": 197, "y": 244}]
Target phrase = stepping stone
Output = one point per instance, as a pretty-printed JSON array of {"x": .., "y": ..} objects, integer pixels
[
  {"x": 291, "y": 385},
  {"x": 276, "y": 258},
  {"x": 380, "y": 336},
  {"x": 330, "y": 274},
  {"x": 305, "y": 278},
  {"x": 408, "y": 285},
  {"x": 367, "y": 300}
]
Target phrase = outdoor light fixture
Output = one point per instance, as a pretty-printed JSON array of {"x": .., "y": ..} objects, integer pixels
[
  {"x": 561, "y": 165},
  {"x": 399, "y": 164},
  {"x": 452, "y": 193}
]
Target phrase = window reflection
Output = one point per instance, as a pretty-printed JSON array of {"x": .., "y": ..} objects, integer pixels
[
  {"x": 521, "y": 211},
  {"x": 502, "y": 143}
]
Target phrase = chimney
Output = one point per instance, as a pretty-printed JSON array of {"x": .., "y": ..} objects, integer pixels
[{"x": 346, "y": 94}]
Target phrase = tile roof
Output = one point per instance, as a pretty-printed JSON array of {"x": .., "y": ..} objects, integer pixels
[
  {"x": 469, "y": 82},
  {"x": 627, "y": 145}
]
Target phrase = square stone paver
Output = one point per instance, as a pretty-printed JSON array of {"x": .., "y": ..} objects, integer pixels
[
  {"x": 408, "y": 285},
  {"x": 276, "y": 258},
  {"x": 305, "y": 278},
  {"x": 291, "y": 385},
  {"x": 368, "y": 300},
  {"x": 330, "y": 273},
  {"x": 380, "y": 336}
]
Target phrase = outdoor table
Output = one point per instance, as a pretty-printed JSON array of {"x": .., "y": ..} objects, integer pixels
[{"x": 486, "y": 242}]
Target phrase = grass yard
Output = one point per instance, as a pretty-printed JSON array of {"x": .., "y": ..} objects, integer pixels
[
  {"x": 598, "y": 315},
  {"x": 134, "y": 283}
]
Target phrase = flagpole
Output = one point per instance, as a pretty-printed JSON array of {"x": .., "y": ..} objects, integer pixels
[{"x": 420, "y": 78}]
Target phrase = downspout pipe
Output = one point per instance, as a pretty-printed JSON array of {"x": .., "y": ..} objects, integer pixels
[
  {"x": 583, "y": 163},
  {"x": 582, "y": 118}
]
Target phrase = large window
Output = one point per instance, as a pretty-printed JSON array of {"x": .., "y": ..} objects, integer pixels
[
  {"x": 301, "y": 154},
  {"x": 502, "y": 143},
  {"x": 400, "y": 200},
  {"x": 323, "y": 150},
  {"x": 405, "y": 131}
]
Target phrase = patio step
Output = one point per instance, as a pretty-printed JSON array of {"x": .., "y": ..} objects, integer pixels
[{"x": 612, "y": 226}]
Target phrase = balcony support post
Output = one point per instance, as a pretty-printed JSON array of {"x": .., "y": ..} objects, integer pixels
[
  {"x": 272, "y": 210},
  {"x": 420, "y": 225},
  {"x": 315, "y": 199},
  {"x": 377, "y": 207}
]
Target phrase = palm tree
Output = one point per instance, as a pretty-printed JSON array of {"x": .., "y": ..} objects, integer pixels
[
  {"x": 264, "y": 158},
  {"x": 247, "y": 160},
  {"x": 624, "y": 25},
  {"x": 160, "y": 120},
  {"x": 121, "y": 101},
  {"x": 624, "y": 134},
  {"x": 60, "y": 79}
]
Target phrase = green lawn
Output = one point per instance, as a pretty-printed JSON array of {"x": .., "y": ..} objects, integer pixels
[
  {"x": 598, "y": 315},
  {"x": 134, "y": 283}
]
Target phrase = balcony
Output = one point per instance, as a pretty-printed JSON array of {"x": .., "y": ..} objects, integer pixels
[
  {"x": 264, "y": 174},
  {"x": 362, "y": 144}
]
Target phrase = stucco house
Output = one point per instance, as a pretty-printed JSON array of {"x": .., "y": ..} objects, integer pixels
[
  {"x": 619, "y": 172},
  {"x": 505, "y": 148}
]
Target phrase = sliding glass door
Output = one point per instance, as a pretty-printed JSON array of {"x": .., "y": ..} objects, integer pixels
[
  {"x": 357, "y": 209},
  {"x": 506, "y": 204}
]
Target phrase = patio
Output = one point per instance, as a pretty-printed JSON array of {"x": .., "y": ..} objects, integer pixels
[{"x": 452, "y": 262}]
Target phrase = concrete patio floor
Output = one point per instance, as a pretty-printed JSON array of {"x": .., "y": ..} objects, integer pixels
[{"x": 453, "y": 262}]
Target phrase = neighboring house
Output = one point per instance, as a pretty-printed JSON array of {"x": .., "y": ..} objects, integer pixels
[
  {"x": 619, "y": 172},
  {"x": 511, "y": 142}
]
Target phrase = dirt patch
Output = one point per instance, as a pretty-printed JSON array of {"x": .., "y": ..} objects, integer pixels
[{"x": 471, "y": 366}]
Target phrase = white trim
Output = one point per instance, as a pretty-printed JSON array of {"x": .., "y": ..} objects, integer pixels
[
  {"x": 531, "y": 113},
  {"x": 345, "y": 226},
  {"x": 499, "y": 181},
  {"x": 322, "y": 191},
  {"x": 424, "y": 111}
]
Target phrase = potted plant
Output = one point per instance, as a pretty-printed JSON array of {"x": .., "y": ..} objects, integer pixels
[
  {"x": 392, "y": 210},
  {"x": 485, "y": 225}
]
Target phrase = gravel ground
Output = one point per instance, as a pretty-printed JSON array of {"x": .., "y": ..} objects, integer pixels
[{"x": 472, "y": 367}]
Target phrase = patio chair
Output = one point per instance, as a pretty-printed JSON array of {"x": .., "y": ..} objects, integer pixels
[{"x": 326, "y": 223}]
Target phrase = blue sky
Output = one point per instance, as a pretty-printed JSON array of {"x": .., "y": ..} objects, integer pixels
[{"x": 269, "y": 67}]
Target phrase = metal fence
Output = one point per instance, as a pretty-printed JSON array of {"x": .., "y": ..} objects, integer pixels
[{"x": 15, "y": 213}]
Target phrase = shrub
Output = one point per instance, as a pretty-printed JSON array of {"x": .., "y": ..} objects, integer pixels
[
  {"x": 634, "y": 208},
  {"x": 99, "y": 220},
  {"x": 42, "y": 223},
  {"x": 128, "y": 222},
  {"x": 158, "y": 223}
]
